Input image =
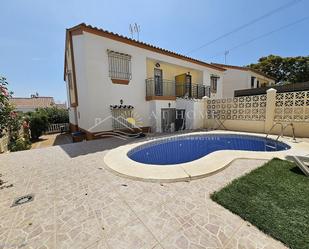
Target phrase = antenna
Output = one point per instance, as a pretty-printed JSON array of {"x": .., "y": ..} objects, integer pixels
[
  {"x": 226, "y": 52},
  {"x": 131, "y": 30},
  {"x": 137, "y": 29}
]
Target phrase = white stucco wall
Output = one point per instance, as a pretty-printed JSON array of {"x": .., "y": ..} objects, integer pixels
[
  {"x": 194, "y": 112},
  {"x": 235, "y": 79},
  {"x": 96, "y": 92},
  {"x": 155, "y": 113}
]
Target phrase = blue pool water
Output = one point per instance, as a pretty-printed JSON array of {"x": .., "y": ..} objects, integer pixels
[{"x": 188, "y": 148}]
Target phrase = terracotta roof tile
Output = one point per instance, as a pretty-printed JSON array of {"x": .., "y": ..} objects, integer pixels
[
  {"x": 121, "y": 38},
  {"x": 243, "y": 69},
  {"x": 35, "y": 102}
]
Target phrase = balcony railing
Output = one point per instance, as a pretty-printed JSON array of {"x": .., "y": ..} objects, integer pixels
[
  {"x": 168, "y": 88},
  {"x": 159, "y": 87}
]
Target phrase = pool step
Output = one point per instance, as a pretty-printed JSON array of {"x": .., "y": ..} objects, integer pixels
[{"x": 270, "y": 146}]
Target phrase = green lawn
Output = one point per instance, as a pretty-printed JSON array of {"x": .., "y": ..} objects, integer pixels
[{"x": 275, "y": 198}]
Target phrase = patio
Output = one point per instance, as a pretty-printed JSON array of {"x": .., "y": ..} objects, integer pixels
[{"x": 79, "y": 204}]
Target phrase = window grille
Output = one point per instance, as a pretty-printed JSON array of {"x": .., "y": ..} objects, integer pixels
[{"x": 119, "y": 65}]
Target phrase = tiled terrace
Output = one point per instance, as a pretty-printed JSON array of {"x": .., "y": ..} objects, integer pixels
[{"x": 79, "y": 204}]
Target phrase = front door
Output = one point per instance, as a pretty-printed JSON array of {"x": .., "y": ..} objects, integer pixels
[
  {"x": 168, "y": 119},
  {"x": 158, "y": 82}
]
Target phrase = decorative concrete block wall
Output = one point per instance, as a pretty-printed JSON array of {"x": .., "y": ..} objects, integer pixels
[{"x": 260, "y": 112}]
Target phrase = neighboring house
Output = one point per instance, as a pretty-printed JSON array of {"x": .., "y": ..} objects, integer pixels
[
  {"x": 239, "y": 78},
  {"x": 34, "y": 102},
  {"x": 281, "y": 88},
  {"x": 109, "y": 76}
]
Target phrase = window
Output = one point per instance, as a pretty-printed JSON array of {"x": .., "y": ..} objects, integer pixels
[
  {"x": 213, "y": 83},
  {"x": 119, "y": 67},
  {"x": 252, "y": 81}
]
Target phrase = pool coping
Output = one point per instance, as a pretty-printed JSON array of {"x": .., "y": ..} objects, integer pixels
[{"x": 118, "y": 161}]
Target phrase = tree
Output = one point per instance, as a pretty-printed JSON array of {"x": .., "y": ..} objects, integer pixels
[
  {"x": 38, "y": 124},
  {"x": 284, "y": 69},
  {"x": 55, "y": 115},
  {"x": 5, "y": 107},
  {"x": 11, "y": 121}
]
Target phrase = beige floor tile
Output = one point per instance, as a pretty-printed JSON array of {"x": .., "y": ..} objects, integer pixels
[
  {"x": 160, "y": 221},
  {"x": 133, "y": 236},
  {"x": 249, "y": 237},
  {"x": 79, "y": 234},
  {"x": 114, "y": 216},
  {"x": 191, "y": 236}
]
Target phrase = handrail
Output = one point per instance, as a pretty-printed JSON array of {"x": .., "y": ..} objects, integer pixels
[
  {"x": 274, "y": 125},
  {"x": 293, "y": 130},
  {"x": 282, "y": 130}
]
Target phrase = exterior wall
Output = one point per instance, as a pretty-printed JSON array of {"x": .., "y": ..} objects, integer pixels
[
  {"x": 71, "y": 95},
  {"x": 194, "y": 111},
  {"x": 25, "y": 109},
  {"x": 72, "y": 115},
  {"x": 235, "y": 79},
  {"x": 96, "y": 92},
  {"x": 155, "y": 113},
  {"x": 172, "y": 70}
]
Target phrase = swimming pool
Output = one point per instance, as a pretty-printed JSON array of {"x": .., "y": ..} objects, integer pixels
[{"x": 184, "y": 149}]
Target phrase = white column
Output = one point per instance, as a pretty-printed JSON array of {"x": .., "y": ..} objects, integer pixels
[{"x": 270, "y": 109}]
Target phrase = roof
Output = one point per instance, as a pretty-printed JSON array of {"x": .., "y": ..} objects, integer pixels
[
  {"x": 97, "y": 31},
  {"x": 34, "y": 102},
  {"x": 61, "y": 105},
  {"x": 243, "y": 69}
]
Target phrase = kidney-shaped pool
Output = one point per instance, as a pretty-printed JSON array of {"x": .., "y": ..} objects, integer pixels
[{"x": 176, "y": 150}]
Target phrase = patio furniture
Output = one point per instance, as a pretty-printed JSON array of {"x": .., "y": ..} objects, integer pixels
[{"x": 302, "y": 163}]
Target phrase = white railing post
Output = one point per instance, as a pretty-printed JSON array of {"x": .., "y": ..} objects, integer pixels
[{"x": 270, "y": 109}]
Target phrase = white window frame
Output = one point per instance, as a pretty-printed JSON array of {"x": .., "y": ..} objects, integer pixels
[{"x": 214, "y": 83}]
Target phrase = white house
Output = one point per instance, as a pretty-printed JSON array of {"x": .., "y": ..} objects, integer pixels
[
  {"x": 111, "y": 78},
  {"x": 238, "y": 78}
]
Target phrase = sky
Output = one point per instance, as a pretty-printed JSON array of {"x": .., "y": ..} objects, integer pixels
[{"x": 32, "y": 33}]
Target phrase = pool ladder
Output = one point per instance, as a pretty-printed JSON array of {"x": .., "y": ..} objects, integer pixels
[{"x": 280, "y": 134}]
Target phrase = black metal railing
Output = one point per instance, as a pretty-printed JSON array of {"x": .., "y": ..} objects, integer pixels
[
  {"x": 157, "y": 87},
  {"x": 195, "y": 91}
]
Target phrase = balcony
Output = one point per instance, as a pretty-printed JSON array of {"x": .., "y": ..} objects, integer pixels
[{"x": 169, "y": 90}]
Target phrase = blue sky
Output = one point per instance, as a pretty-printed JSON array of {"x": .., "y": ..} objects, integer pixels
[{"x": 32, "y": 33}]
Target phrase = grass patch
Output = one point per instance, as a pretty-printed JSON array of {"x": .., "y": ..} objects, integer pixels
[{"x": 275, "y": 198}]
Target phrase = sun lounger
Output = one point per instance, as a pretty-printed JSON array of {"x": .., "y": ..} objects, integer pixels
[{"x": 302, "y": 162}]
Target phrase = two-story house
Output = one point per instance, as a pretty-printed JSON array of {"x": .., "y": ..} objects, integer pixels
[{"x": 114, "y": 82}]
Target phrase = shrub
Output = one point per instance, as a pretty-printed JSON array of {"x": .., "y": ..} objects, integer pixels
[
  {"x": 19, "y": 144},
  {"x": 38, "y": 124},
  {"x": 55, "y": 115}
]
